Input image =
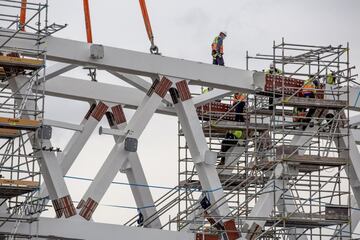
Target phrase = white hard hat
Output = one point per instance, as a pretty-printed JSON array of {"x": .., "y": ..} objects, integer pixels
[
  {"x": 271, "y": 65},
  {"x": 224, "y": 32}
]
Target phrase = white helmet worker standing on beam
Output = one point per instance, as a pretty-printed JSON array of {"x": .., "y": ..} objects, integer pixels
[{"x": 218, "y": 49}]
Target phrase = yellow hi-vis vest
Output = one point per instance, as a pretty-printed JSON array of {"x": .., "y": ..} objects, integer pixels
[
  {"x": 238, "y": 134},
  {"x": 215, "y": 44},
  {"x": 330, "y": 79},
  {"x": 205, "y": 90},
  {"x": 309, "y": 87}
]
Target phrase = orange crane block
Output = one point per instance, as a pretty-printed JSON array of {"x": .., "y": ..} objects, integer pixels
[
  {"x": 26, "y": 63},
  {"x": 21, "y": 124}
]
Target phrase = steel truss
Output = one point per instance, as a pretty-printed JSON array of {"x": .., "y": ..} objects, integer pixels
[{"x": 256, "y": 170}]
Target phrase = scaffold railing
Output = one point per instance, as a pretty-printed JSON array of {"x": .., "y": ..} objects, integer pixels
[
  {"x": 21, "y": 109},
  {"x": 290, "y": 152}
]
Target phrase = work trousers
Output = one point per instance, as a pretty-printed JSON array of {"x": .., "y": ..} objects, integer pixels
[{"x": 218, "y": 60}]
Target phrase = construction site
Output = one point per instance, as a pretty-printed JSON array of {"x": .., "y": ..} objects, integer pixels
[{"x": 262, "y": 153}]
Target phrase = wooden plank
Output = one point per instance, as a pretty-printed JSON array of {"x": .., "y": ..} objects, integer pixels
[
  {"x": 9, "y": 133},
  {"x": 26, "y": 63},
  {"x": 316, "y": 160},
  {"x": 311, "y": 103},
  {"x": 232, "y": 125},
  {"x": 15, "y": 123},
  {"x": 18, "y": 183},
  {"x": 2, "y": 73}
]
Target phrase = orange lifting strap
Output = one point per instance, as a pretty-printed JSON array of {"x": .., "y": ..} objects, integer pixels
[
  {"x": 87, "y": 21},
  {"x": 23, "y": 14},
  {"x": 154, "y": 49}
]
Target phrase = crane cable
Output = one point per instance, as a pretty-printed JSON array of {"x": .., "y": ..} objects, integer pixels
[
  {"x": 153, "y": 49},
  {"x": 23, "y": 15},
  {"x": 92, "y": 70}
]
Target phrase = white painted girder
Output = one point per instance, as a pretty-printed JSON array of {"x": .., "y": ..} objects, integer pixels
[
  {"x": 210, "y": 96},
  {"x": 138, "y": 63},
  {"x": 139, "y": 185},
  {"x": 276, "y": 187},
  {"x": 138, "y": 83},
  {"x": 118, "y": 155},
  {"x": 49, "y": 165},
  {"x": 204, "y": 160},
  {"x": 57, "y": 69},
  {"x": 67, "y": 157},
  {"x": 63, "y": 125},
  {"x": 82, "y": 90},
  {"x": 77, "y": 229}
]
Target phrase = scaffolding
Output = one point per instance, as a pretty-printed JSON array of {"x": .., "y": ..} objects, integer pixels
[
  {"x": 22, "y": 73},
  {"x": 286, "y": 177}
]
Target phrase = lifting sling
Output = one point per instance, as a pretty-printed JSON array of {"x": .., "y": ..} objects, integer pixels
[
  {"x": 153, "y": 49},
  {"x": 23, "y": 14},
  {"x": 87, "y": 21}
]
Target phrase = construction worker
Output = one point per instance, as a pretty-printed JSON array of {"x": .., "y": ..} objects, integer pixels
[
  {"x": 299, "y": 114},
  {"x": 206, "y": 90},
  {"x": 218, "y": 49},
  {"x": 331, "y": 78},
  {"x": 239, "y": 101},
  {"x": 231, "y": 139},
  {"x": 309, "y": 90},
  {"x": 273, "y": 70}
]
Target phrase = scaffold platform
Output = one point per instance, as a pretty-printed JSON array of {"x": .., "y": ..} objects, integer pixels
[
  {"x": 13, "y": 188},
  {"x": 228, "y": 181},
  {"x": 20, "y": 62},
  {"x": 9, "y": 133},
  {"x": 311, "y": 103},
  {"x": 20, "y": 124}
]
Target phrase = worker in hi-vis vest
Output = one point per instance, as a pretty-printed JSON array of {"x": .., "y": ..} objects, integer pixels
[
  {"x": 309, "y": 88},
  {"x": 273, "y": 70},
  {"x": 230, "y": 140},
  {"x": 239, "y": 101},
  {"x": 218, "y": 49},
  {"x": 331, "y": 78}
]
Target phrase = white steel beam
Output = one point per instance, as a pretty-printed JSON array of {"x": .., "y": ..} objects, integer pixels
[
  {"x": 349, "y": 149},
  {"x": 210, "y": 96},
  {"x": 79, "y": 139},
  {"x": 127, "y": 61},
  {"x": 273, "y": 190},
  {"x": 231, "y": 160},
  {"x": 204, "y": 160},
  {"x": 355, "y": 219},
  {"x": 288, "y": 205},
  {"x": 77, "y": 229},
  {"x": 354, "y": 96},
  {"x": 135, "y": 174},
  {"x": 139, "y": 83},
  {"x": 63, "y": 125},
  {"x": 57, "y": 69},
  {"x": 120, "y": 152},
  {"x": 49, "y": 165},
  {"x": 82, "y": 90}
]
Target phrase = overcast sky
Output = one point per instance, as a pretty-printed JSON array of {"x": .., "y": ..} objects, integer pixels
[{"x": 185, "y": 29}]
